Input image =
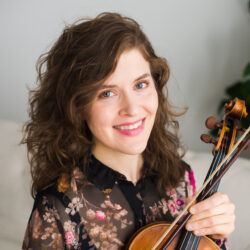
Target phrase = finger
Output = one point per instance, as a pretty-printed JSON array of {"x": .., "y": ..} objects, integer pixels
[
  {"x": 212, "y": 201},
  {"x": 217, "y": 232},
  {"x": 225, "y": 208},
  {"x": 211, "y": 222}
]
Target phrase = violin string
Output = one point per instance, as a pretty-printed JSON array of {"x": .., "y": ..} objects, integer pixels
[
  {"x": 221, "y": 155},
  {"x": 193, "y": 239},
  {"x": 189, "y": 237},
  {"x": 233, "y": 150}
]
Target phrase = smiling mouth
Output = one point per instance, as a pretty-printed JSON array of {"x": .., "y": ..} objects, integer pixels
[{"x": 130, "y": 127}]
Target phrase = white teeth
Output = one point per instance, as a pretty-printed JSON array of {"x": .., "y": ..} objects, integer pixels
[{"x": 136, "y": 125}]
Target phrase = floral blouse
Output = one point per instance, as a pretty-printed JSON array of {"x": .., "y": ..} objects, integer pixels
[{"x": 105, "y": 214}]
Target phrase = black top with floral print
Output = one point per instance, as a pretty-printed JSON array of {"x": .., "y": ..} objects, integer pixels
[{"x": 107, "y": 211}]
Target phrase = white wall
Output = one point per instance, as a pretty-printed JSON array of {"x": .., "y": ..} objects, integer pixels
[{"x": 207, "y": 44}]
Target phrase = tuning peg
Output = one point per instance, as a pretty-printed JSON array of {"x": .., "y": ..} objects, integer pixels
[
  {"x": 211, "y": 123},
  {"x": 208, "y": 139}
]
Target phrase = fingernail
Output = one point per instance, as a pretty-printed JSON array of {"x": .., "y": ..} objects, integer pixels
[
  {"x": 197, "y": 232},
  {"x": 189, "y": 227}
]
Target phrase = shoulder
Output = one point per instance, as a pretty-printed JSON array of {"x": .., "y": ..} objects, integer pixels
[
  {"x": 47, "y": 207},
  {"x": 44, "y": 230},
  {"x": 55, "y": 220}
]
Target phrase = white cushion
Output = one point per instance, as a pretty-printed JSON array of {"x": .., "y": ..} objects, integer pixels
[{"x": 16, "y": 201}]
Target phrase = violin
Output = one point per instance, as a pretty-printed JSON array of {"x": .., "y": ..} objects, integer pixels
[{"x": 162, "y": 235}]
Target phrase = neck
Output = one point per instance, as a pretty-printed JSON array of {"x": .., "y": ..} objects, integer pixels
[{"x": 128, "y": 165}]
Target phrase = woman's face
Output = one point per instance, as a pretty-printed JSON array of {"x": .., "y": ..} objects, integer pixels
[{"x": 123, "y": 112}]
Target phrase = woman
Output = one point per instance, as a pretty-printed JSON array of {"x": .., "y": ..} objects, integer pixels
[{"x": 104, "y": 161}]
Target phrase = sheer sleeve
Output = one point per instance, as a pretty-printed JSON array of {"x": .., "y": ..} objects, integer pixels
[
  {"x": 55, "y": 223},
  {"x": 44, "y": 229}
]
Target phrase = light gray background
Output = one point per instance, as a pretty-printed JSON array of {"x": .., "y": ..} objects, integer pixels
[{"x": 206, "y": 42}]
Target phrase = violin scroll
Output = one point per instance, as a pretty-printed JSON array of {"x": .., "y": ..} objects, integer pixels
[{"x": 236, "y": 109}]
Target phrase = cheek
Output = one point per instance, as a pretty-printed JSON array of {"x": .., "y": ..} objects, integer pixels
[
  {"x": 152, "y": 102},
  {"x": 100, "y": 118}
]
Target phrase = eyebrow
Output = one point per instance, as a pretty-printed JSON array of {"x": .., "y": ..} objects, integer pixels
[{"x": 137, "y": 79}]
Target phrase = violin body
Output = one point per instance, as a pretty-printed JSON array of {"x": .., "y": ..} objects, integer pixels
[{"x": 147, "y": 236}]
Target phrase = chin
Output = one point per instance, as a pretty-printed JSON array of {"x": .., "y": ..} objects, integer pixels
[{"x": 133, "y": 150}]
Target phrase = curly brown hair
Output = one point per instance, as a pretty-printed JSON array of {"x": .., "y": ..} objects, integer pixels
[{"x": 69, "y": 76}]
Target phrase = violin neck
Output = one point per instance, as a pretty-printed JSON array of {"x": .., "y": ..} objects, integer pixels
[
  {"x": 187, "y": 239},
  {"x": 219, "y": 156}
]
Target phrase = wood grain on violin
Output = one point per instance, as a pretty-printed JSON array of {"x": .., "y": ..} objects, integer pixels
[{"x": 152, "y": 232}]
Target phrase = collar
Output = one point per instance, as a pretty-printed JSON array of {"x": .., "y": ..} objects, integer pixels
[{"x": 105, "y": 177}]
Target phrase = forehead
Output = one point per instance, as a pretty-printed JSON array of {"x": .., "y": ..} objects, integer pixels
[{"x": 131, "y": 65}]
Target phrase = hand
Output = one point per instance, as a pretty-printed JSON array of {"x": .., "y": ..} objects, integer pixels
[{"x": 213, "y": 216}]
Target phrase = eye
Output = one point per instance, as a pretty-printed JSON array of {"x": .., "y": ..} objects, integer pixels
[
  {"x": 106, "y": 94},
  {"x": 141, "y": 85}
]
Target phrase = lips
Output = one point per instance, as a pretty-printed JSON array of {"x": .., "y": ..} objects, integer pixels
[
  {"x": 128, "y": 123},
  {"x": 131, "y": 130}
]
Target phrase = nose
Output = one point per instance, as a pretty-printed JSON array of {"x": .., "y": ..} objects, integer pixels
[{"x": 129, "y": 105}]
